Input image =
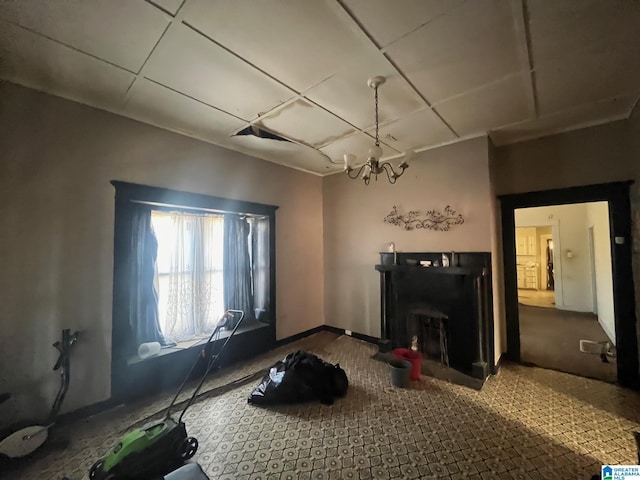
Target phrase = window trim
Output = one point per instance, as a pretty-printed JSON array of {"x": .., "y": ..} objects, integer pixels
[{"x": 164, "y": 197}]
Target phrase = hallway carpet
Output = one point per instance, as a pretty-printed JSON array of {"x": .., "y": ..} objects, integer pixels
[
  {"x": 537, "y": 298},
  {"x": 550, "y": 338}
]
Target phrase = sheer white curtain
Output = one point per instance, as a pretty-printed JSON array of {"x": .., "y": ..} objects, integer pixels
[{"x": 189, "y": 272}]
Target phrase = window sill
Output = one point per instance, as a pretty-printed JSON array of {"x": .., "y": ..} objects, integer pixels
[{"x": 247, "y": 326}]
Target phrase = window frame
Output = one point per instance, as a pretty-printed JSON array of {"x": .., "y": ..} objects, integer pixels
[{"x": 160, "y": 198}]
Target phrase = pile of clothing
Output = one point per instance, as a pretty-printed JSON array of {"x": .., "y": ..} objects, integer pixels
[{"x": 300, "y": 377}]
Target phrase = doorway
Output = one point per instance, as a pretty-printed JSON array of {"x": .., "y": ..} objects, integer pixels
[
  {"x": 534, "y": 264},
  {"x": 623, "y": 301},
  {"x": 561, "y": 326}
]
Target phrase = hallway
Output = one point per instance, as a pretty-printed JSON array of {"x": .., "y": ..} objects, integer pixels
[{"x": 550, "y": 338}]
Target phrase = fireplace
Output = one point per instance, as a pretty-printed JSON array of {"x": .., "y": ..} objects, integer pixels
[{"x": 415, "y": 299}]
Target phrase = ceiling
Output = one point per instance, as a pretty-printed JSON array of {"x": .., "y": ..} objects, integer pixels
[{"x": 455, "y": 69}]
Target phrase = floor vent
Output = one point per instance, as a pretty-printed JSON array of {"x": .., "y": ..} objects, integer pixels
[{"x": 605, "y": 349}]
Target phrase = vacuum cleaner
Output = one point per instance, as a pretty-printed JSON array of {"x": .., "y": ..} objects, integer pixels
[
  {"x": 163, "y": 446},
  {"x": 28, "y": 439}
]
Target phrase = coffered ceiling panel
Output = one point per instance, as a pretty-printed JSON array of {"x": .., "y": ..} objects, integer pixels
[
  {"x": 299, "y": 42},
  {"x": 498, "y": 104},
  {"x": 388, "y": 21},
  {"x": 583, "y": 116},
  {"x": 29, "y": 59},
  {"x": 470, "y": 46},
  {"x": 304, "y": 122},
  {"x": 122, "y": 32},
  {"x": 595, "y": 74},
  {"x": 347, "y": 94},
  {"x": 560, "y": 28},
  {"x": 189, "y": 63},
  {"x": 415, "y": 130},
  {"x": 151, "y": 102}
]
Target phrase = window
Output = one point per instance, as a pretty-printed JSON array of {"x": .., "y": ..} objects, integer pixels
[
  {"x": 189, "y": 273},
  {"x": 226, "y": 261}
]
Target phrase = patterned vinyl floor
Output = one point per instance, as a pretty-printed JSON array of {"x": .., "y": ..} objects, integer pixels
[{"x": 526, "y": 423}]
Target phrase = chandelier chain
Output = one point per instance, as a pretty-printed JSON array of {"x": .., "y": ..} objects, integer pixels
[{"x": 377, "y": 123}]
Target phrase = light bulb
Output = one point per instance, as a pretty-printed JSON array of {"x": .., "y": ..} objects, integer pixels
[
  {"x": 349, "y": 159},
  {"x": 408, "y": 156},
  {"x": 375, "y": 152}
]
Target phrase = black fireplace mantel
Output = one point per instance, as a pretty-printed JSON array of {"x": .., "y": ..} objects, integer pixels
[
  {"x": 462, "y": 291},
  {"x": 430, "y": 270}
]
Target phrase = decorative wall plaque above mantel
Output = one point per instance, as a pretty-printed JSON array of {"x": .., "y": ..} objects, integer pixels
[{"x": 431, "y": 219}]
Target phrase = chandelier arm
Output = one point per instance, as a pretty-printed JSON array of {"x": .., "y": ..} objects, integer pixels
[
  {"x": 395, "y": 175},
  {"x": 403, "y": 166},
  {"x": 358, "y": 172},
  {"x": 391, "y": 174}
]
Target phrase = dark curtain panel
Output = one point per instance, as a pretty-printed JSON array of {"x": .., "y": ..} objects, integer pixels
[
  {"x": 143, "y": 311},
  {"x": 238, "y": 293},
  {"x": 260, "y": 267}
]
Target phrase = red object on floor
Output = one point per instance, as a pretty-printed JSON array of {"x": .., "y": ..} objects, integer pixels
[{"x": 412, "y": 356}]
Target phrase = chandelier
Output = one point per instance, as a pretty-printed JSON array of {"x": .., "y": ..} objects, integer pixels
[{"x": 373, "y": 166}]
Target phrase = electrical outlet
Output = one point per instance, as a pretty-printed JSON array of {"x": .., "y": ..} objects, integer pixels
[{"x": 347, "y": 332}]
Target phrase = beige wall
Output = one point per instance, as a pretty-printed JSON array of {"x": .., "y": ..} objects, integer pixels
[
  {"x": 56, "y": 241},
  {"x": 600, "y": 154},
  {"x": 455, "y": 175}
]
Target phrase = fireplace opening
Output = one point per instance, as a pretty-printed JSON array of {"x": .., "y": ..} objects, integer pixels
[{"x": 426, "y": 331}]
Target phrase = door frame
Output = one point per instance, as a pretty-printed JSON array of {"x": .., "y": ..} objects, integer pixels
[
  {"x": 592, "y": 268},
  {"x": 617, "y": 196}
]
